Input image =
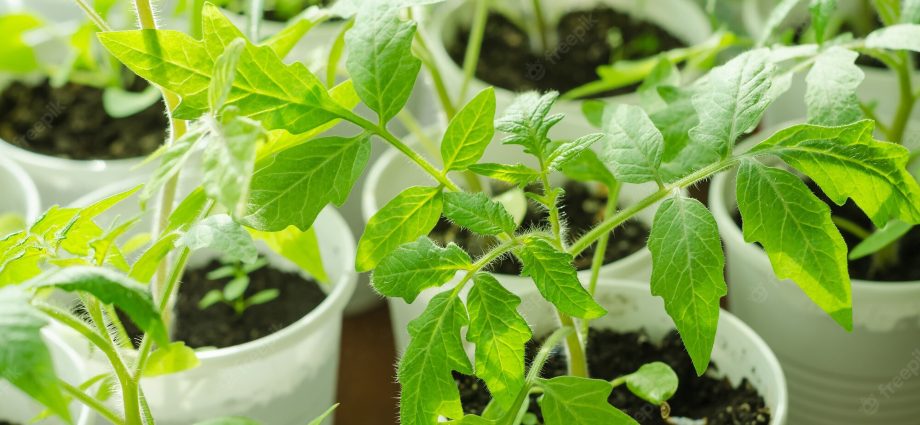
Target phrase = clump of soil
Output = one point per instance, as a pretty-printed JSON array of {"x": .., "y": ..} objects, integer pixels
[
  {"x": 582, "y": 209},
  {"x": 507, "y": 58},
  {"x": 70, "y": 122},
  {"x": 612, "y": 354}
]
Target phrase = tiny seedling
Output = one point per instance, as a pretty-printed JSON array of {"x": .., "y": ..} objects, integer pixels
[{"x": 234, "y": 292}]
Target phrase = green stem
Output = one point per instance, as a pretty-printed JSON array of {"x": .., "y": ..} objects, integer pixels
[
  {"x": 540, "y": 17},
  {"x": 870, "y": 113},
  {"x": 145, "y": 14},
  {"x": 906, "y": 100},
  {"x": 473, "y": 47},
  {"x": 600, "y": 252},
  {"x": 195, "y": 18},
  {"x": 534, "y": 373},
  {"x": 91, "y": 402},
  {"x": 424, "y": 53},
  {"x": 415, "y": 129},
  {"x": 578, "y": 364},
  {"x": 850, "y": 227},
  {"x": 616, "y": 382},
  {"x": 93, "y": 16},
  {"x": 254, "y": 19}
]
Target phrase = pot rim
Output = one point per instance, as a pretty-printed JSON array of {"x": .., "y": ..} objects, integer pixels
[
  {"x": 64, "y": 164},
  {"x": 31, "y": 198}
]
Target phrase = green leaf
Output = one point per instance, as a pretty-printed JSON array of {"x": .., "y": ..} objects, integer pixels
[
  {"x": 593, "y": 110},
  {"x": 654, "y": 382},
  {"x": 11, "y": 222},
  {"x": 664, "y": 74},
  {"x": 24, "y": 360},
  {"x": 882, "y": 238},
  {"x": 571, "y": 400},
  {"x": 730, "y": 103},
  {"x": 416, "y": 266},
  {"x": 566, "y": 151},
  {"x": 173, "y": 158},
  {"x": 380, "y": 61},
  {"x": 680, "y": 156},
  {"x": 228, "y": 160},
  {"x": 499, "y": 333},
  {"x": 284, "y": 41},
  {"x": 831, "y": 91},
  {"x": 517, "y": 174},
  {"x": 633, "y": 145},
  {"x": 291, "y": 187},
  {"x": 469, "y": 132},
  {"x": 229, "y": 421},
  {"x": 224, "y": 74},
  {"x": 587, "y": 167},
  {"x": 188, "y": 211},
  {"x": 262, "y": 297},
  {"x": 212, "y": 297},
  {"x": 411, "y": 214},
  {"x": 478, "y": 213},
  {"x": 428, "y": 387},
  {"x": 235, "y": 288},
  {"x": 689, "y": 272},
  {"x": 110, "y": 287},
  {"x": 120, "y": 103},
  {"x": 527, "y": 122},
  {"x": 322, "y": 418},
  {"x": 821, "y": 11},
  {"x": 846, "y": 162},
  {"x": 300, "y": 247},
  {"x": 557, "y": 280},
  {"x": 776, "y": 18},
  {"x": 336, "y": 52},
  {"x": 173, "y": 358},
  {"x": 221, "y": 233},
  {"x": 895, "y": 37},
  {"x": 888, "y": 11},
  {"x": 18, "y": 57},
  {"x": 809, "y": 250},
  {"x": 910, "y": 11}
]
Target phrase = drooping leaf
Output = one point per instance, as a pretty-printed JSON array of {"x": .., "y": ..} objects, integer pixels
[
  {"x": 220, "y": 233},
  {"x": 416, "y": 266},
  {"x": 895, "y": 37},
  {"x": 411, "y": 214},
  {"x": 476, "y": 212},
  {"x": 566, "y": 151},
  {"x": 300, "y": 247},
  {"x": 587, "y": 167},
  {"x": 821, "y": 11},
  {"x": 633, "y": 146},
  {"x": 173, "y": 358},
  {"x": 880, "y": 239},
  {"x": 831, "y": 91},
  {"x": 469, "y": 132},
  {"x": 527, "y": 122},
  {"x": 572, "y": 400},
  {"x": 688, "y": 272},
  {"x": 517, "y": 174},
  {"x": 808, "y": 250},
  {"x": 654, "y": 382},
  {"x": 557, "y": 280}
]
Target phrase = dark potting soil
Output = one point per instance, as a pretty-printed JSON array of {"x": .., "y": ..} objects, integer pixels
[
  {"x": 612, "y": 354},
  {"x": 507, "y": 59},
  {"x": 582, "y": 209},
  {"x": 2, "y": 422},
  {"x": 70, "y": 122},
  {"x": 908, "y": 247}
]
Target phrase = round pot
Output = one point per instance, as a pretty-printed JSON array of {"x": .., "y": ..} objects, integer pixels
[
  {"x": 18, "y": 407},
  {"x": 682, "y": 18},
  {"x": 868, "y": 376},
  {"x": 19, "y": 193},
  {"x": 279, "y": 379}
]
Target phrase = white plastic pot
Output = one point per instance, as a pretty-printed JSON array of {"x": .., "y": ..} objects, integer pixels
[
  {"x": 18, "y": 407},
  {"x": 19, "y": 193},
  {"x": 866, "y": 377},
  {"x": 285, "y": 378},
  {"x": 682, "y": 18}
]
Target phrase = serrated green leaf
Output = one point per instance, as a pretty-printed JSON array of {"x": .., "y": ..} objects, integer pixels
[
  {"x": 557, "y": 280},
  {"x": 300, "y": 247},
  {"x": 469, "y": 132},
  {"x": 416, "y": 266},
  {"x": 228, "y": 160},
  {"x": 24, "y": 360},
  {"x": 284, "y": 41},
  {"x": 566, "y": 151},
  {"x": 110, "y": 287},
  {"x": 587, "y": 167},
  {"x": 831, "y": 91},
  {"x": 571, "y": 400},
  {"x": 895, "y": 37},
  {"x": 219, "y": 232},
  {"x": 654, "y": 382},
  {"x": 18, "y": 57},
  {"x": 664, "y": 74},
  {"x": 807, "y": 248},
  {"x": 675, "y": 122},
  {"x": 776, "y": 18},
  {"x": 846, "y": 162},
  {"x": 517, "y": 174},
  {"x": 173, "y": 358},
  {"x": 880, "y": 239},
  {"x": 689, "y": 273},
  {"x": 291, "y": 187},
  {"x": 380, "y": 59},
  {"x": 476, "y": 212},
  {"x": 428, "y": 387},
  {"x": 412, "y": 213},
  {"x": 633, "y": 146},
  {"x": 821, "y": 11},
  {"x": 224, "y": 73},
  {"x": 499, "y": 333},
  {"x": 527, "y": 122}
]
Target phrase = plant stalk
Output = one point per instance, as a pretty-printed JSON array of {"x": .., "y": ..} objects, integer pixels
[
  {"x": 906, "y": 100},
  {"x": 542, "y": 28},
  {"x": 534, "y": 373},
  {"x": 473, "y": 47},
  {"x": 91, "y": 402}
]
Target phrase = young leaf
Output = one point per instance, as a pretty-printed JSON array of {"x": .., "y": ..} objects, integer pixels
[
  {"x": 300, "y": 247},
  {"x": 284, "y": 41},
  {"x": 121, "y": 103},
  {"x": 322, "y": 418},
  {"x": 224, "y": 74},
  {"x": 221, "y": 233},
  {"x": 689, "y": 273},
  {"x": 188, "y": 211},
  {"x": 411, "y": 214},
  {"x": 18, "y": 57},
  {"x": 468, "y": 134},
  {"x": 262, "y": 297},
  {"x": 566, "y": 151},
  {"x": 846, "y": 162},
  {"x": 416, "y": 266},
  {"x": 291, "y": 187},
  {"x": 557, "y": 280},
  {"x": 173, "y": 358},
  {"x": 895, "y": 37},
  {"x": 831, "y": 91},
  {"x": 654, "y": 382},
  {"x": 476, "y": 212},
  {"x": 499, "y": 333},
  {"x": 776, "y": 18},
  {"x": 228, "y": 160},
  {"x": 173, "y": 157},
  {"x": 24, "y": 360},
  {"x": 910, "y": 11},
  {"x": 880, "y": 239},
  {"x": 428, "y": 387},
  {"x": 380, "y": 59},
  {"x": 212, "y": 297},
  {"x": 809, "y": 250},
  {"x": 587, "y": 167},
  {"x": 235, "y": 288},
  {"x": 527, "y": 122},
  {"x": 571, "y": 400},
  {"x": 517, "y": 174},
  {"x": 675, "y": 122},
  {"x": 821, "y": 11},
  {"x": 664, "y": 74},
  {"x": 633, "y": 145}
]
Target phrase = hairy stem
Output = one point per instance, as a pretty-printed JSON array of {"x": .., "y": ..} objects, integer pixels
[
  {"x": 91, "y": 402},
  {"x": 534, "y": 373},
  {"x": 93, "y": 16}
]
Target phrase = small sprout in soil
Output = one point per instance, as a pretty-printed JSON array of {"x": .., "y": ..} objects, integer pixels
[{"x": 234, "y": 292}]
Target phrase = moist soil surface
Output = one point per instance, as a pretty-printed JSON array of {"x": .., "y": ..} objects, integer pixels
[
  {"x": 908, "y": 247},
  {"x": 612, "y": 354},
  {"x": 70, "y": 122},
  {"x": 581, "y": 207},
  {"x": 507, "y": 59}
]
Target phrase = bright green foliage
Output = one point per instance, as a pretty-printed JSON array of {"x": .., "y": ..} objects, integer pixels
[
  {"x": 285, "y": 40},
  {"x": 411, "y": 214},
  {"x": 219, "y": 232},
  {"x": 11, "y": 222},
  {"x": 888, "y": 10},
  {"x": 846, "y": 162},
  {"x": 416, "y": 266},
  {"x": 571, "y": 400},
  {"x": 291, "y": 187},
  {"x": 469, "y": 132},
  {"x": 675, "y": 122},
  {"x": 24, "y": 360},
  {"x": 517, "y": 174},
  {"x": 821, "y": 11},
  {"x": 527, "y": 122},
  {"x": 224, "y": 73},
  {"x": 895, "y": 37},
  {"x": 555, "y": 277},
  {"x": 795, "y": 229},
  {"x": 665, "y": 74},
  {"x": 322, "y": 418},
  {"x": 473, "y": 420},
  {"x": 120, "y": 103},
  {"x": 567, "y": 151},
  {"x": 300, "y": 247},
  {"x": 428, "y": 387},
  {"x": 478, "y": 213},
  {"x": 188, "y": 211},
  {"x": 587, "y": 167},
  {"x": 173, "y": 358},
  {"x": 910, "y": 11},
  {"x": 882, "y": 238},
  {"x": 832, "y": 83},
  {"x": 688, "y": 272},
  {"x": 634, "y": 146},
  {"x": 499, "y": 333},
  {"x": 234, "y": 292},
  {"x": 654, "y": 382},
  {"x": 380, "y": 59},
  {"x": 228, "y": 160},
  {"x": 18, "y": 57}
]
